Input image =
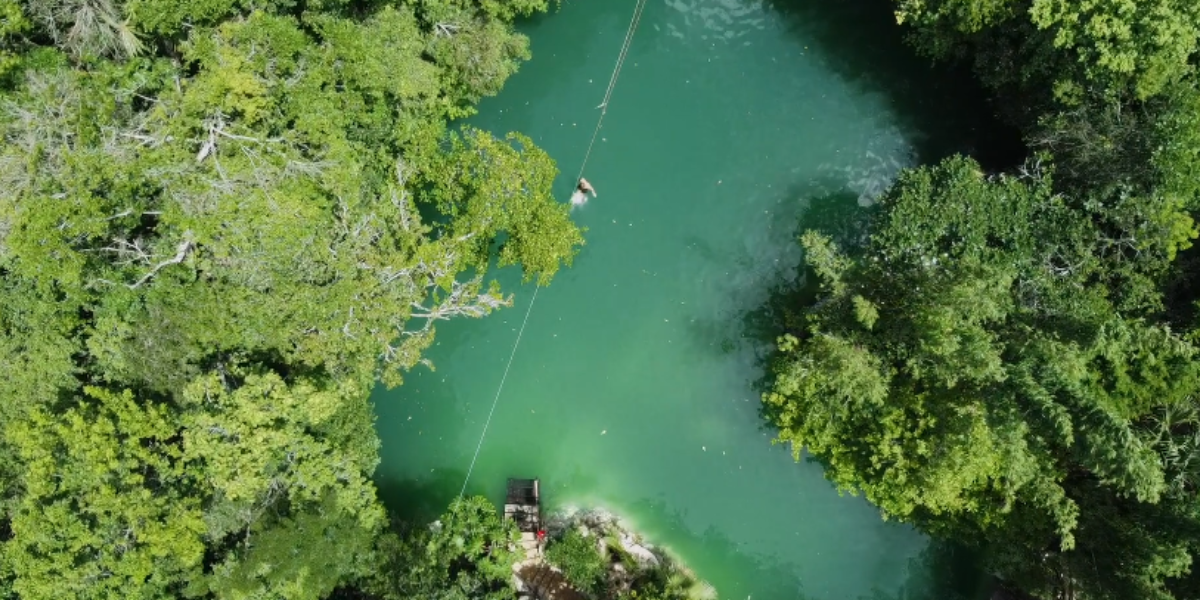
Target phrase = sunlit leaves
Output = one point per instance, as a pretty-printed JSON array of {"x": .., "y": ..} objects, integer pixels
[
  {"x": 224, "y": 216},
  {"x": 286, "y": 471},
  {"x": 129, "y": 491},
  {"x": 467, "y": 554},
  {"x": 502, "y": 187},
  {"x": 1147, "y": 42},
  {"x": 1117, "y": 44},
  {"x": 972, "y": 372},
  {"x": 105, "y": 511},
  {"x": 285, "y": 167}
]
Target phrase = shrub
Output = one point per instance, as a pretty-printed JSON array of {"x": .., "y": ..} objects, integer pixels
[{"x": 579, "y": 561}]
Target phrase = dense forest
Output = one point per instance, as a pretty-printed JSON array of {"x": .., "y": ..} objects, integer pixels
[
  {"x": 1011, "y": 361},
  {"x": 221, "y": 223}
]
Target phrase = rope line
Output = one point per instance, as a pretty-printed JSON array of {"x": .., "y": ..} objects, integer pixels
[
  {"x": 496, "y": 400},
  {"x": 612, "y": 84}
]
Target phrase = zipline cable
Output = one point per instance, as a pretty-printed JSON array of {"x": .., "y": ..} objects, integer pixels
[
  {"x": 496, "y": 400},
  {"x": 612, "y": 84}
]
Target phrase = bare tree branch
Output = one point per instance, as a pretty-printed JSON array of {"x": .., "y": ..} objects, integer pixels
[
  {"x": 180, "y": 253},
  {"x": 463, "y": 300}
]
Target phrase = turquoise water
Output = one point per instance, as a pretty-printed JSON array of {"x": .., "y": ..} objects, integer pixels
[{"x": 734, "y": 124}]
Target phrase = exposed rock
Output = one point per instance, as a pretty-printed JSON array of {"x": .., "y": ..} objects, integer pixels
[
  {"x": 617, "y": 542},
  {"x": 639, "y": 552},
  {"x": 705, "y": 591}
]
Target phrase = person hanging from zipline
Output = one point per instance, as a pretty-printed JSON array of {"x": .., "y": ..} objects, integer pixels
[
  {"x": 582, "y": 189},
  {"x": 586, "y": 187}
]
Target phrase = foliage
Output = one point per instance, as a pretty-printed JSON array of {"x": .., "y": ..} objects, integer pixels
[
  {"x": 997, "y": 367},
  {"x": 976, "y": 371},
  {"x": 87, "y": 29},
  {"x": 104, "y": 512},
  {"x": 221, "y": 222},
  {"x": 593, "y": 552},
  {"x": 475, "y": 183},
  {"x": 1136, "y": 45},
  {"x": 268, "y": 479},
  {"x": 288, "y": 468},
  {"x": 664, "y": 582},
  {"x": 466, "y": 554},
  {"x": 278, "y": 168},
  {"x": 1148, "y": 42},
  {"x": 13, "y": 23},
  {"x": 579, "y": 560}
]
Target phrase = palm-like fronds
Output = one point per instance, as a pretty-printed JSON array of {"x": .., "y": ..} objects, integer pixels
[
  {"x": 86, "y": 27},
  {"x": 1175, "y": 430}
]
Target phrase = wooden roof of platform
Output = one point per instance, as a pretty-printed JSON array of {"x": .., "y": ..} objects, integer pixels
[
  {"x": 522, "y": 491},
  {"x": 523, "y": 505}
]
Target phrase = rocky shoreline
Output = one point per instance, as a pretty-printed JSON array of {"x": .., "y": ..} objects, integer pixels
[{"x": 630, "y": 560}]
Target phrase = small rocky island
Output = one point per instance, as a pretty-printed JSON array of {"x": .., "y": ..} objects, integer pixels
[{"x": 593, "y": 555}]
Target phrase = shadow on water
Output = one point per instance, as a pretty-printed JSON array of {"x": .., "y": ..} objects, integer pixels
[
  {"x": 420, "y": 500},
  {"x": 941, "y": 107},
  {"x": 837, "y": 215},
  {"x": 862, "y": 42},
  {"x": 942, "y": 571},
  {"x": 756, "y": 321}
]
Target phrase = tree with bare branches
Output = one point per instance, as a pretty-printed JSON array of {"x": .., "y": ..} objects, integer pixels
[{"x": 214, "y": 241}]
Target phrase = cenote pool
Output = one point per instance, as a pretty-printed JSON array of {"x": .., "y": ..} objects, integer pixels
[{"x": 735, "y": 124}]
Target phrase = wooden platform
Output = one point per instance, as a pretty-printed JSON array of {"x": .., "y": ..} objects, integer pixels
[
  {"x": 543, "y": 582},
  {"x": 535, "y": 579},
  {"x": 523, "y": 504}
]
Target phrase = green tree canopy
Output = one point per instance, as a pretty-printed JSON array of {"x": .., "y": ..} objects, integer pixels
[
  {"x": 580, "y": 561},
  {"x": 972, "y": 370},
  {"x": 249, "y": 488},
  {"x": 221, "y": 222},
  {"x": 105, "y": 510},
  {"x": 1139, "y": 45},
  {"x": 467, "y": 554}
]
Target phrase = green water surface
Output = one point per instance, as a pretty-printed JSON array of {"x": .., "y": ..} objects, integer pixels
[{"x": 734, "y": 124}]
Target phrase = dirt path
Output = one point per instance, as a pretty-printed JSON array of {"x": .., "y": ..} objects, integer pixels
[{"x": 541, "y": 581}]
